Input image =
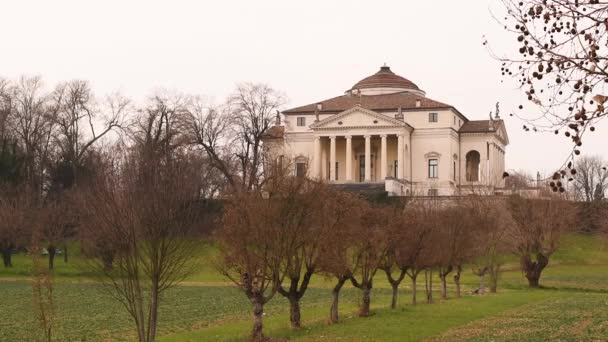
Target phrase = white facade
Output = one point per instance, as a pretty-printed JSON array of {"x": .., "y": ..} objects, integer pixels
[{"x": 384, "y": 130}]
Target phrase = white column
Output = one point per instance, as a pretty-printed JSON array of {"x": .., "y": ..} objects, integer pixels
[
  {"x": 349, "y": 158},
  {"x": 400, "y": 154},
  {"x": 332, "y": 159},
  {"x": 368, "y": 158},
  {"x": 383, "y": 161},
  {"x": 317, "y": 159}
]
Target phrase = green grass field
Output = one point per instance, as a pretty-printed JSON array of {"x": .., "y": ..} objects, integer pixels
[{"x": 572, "y": 306}]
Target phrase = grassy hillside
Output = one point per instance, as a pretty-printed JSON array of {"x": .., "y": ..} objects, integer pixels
[{"x": 573, "y": 305}]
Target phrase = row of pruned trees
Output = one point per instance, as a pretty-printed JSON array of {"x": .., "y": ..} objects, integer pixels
[{"x": 275, "y": 240}]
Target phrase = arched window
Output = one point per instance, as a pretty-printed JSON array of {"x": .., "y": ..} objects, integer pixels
[
  {"x": 301, "y": 167},
  {"x": 473, "y": 159}
]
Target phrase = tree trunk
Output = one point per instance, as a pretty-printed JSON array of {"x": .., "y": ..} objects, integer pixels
[
  {"x": 444, "y": 286},
  {"x": 482, "y": 286},
  {"x": 533, "y": 269},
  {"x": 258, "y": 312},
  {"x": 108, "y": 260},
  {"x": 395, "y": 294},
  {"x": 294, "y": 313},
  {"x": 293, "y": 295},
  {"x": 533, "y": 279},
  {"x": 395, "y": 282},
  {"x": 428, "y": 286},
  {"x": 51, "y": 250},
  {"x": 335, "y": 296},
  {"x": 457, "y": 280},
  {"x": 364, "y": 309},
  {"x": 443, "y": 273},
  {"x": 7, "y": 257},
  {"x": 414, "y": 289},
  {"x": 153, "y": 315}
]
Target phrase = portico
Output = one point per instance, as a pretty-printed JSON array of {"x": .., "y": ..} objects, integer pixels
[{"x": 355, "y": 152}]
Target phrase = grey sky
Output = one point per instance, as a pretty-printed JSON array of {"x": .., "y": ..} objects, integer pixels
[{"x": 311, "y": 50}]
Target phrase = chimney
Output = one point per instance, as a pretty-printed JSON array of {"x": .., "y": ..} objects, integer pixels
[
  {"x": 399, "y": 115},
  {"x": 418, "y": 103}
]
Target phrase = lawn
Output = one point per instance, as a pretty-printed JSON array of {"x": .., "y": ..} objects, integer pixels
[{"x": 572, "y": 306}]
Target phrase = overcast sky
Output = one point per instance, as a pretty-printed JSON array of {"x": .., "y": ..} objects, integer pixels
[{"x": 311, "y": 50}]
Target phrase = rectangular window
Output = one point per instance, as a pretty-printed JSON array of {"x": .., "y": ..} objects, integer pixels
[
  {"x": 454, "y": 170},
  {"x": 300, "y": 169},
  {"x": 433, "y": 168},
  {"x": 301, "y": 121},
  {"x": 433, "y": 117},
  {"x": 433, "y": 192},
  {"x": 454, "y": 120}
]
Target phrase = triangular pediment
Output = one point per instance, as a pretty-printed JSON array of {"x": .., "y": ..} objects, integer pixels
[{"x": 357, "y": 117}]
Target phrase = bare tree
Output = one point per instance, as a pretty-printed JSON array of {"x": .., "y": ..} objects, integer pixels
[
  {"x": 31, "y": 122},
  {"x": 369, "y": 249},
  {"x": 591, "y": 179},
  {"x": 15, "y": 207},
  {"x": 147, "y": 211},
  {"x": 453, "y": 242},
  {"x": 252, "y": 244},
  {"x": 404, "y": 243},
  {"x": 489, "y": 244},
  {"x": 418, "y": 255},
  {"x": 303, "y": 231},
  {"x": 231, "y": 135},
  {"x": 559, "y": 63},
  {"x": 144, "y": 204},
  {"x": 536, "y": 230},
  {"x": 339, "y": 217}
]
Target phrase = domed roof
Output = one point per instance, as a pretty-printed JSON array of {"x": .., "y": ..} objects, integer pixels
[{"x": 385, "y": 78}]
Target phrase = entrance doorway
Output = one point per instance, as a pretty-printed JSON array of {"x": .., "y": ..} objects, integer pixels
[{"x": 362, "y": 168}]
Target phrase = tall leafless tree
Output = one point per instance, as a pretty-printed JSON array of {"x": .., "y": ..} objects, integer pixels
[
  {"x": 231, "y": 135},
  {"x": 591, "y": 179}
]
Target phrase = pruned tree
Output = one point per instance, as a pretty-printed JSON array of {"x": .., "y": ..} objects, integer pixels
[
  {"x": 15, "y": 220},
  {"x": 393, "y": 266},
  {"x": 338, "y": 217},
  {"x": 537, "y": 227},
  {"x": 452, "y": 242},
  {"x": 489, "y": 246},
  {"x": 418, "y": 253},
  {"x": 253, "y": 241},
  {"x": 309, "y": 223},
  {"x": 369, "y": 249}
]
